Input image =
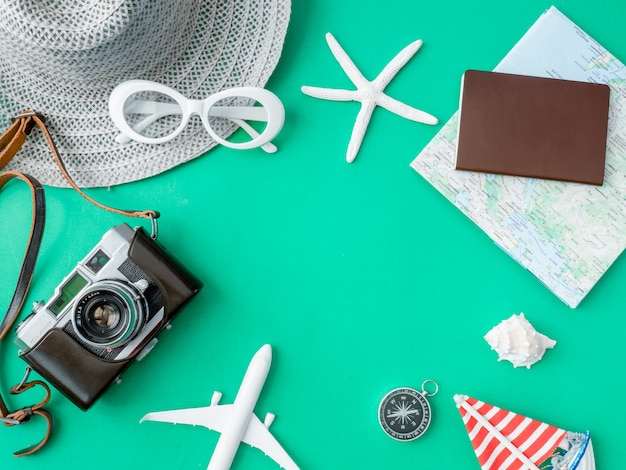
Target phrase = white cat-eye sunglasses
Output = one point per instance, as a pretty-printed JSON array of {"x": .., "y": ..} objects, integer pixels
[{"x": 154, "y": 113}]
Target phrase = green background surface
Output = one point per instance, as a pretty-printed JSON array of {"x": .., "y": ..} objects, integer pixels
[{"x": 361, "y": 276}]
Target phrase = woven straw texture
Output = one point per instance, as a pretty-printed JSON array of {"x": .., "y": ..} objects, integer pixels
[{"x": 62, "y": 58}]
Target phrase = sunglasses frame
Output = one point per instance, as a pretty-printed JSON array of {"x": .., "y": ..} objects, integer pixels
[{"x": 271, "y": 111}]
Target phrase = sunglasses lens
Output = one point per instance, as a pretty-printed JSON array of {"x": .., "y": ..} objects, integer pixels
[
  {"x": 152, "y": 114},
  {"x": 237, "y": 120}
]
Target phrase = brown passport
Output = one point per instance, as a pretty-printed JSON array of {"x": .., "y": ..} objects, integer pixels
[{"x": 530, "y": 126}]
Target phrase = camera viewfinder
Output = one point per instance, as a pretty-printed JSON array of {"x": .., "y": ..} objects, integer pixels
[{"x": 97, "y": 261}]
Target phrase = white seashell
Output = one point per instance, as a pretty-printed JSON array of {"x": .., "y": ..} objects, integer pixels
[{"x": 516, "y": 340}]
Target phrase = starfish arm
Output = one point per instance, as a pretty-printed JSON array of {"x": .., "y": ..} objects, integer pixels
[
  {"x": 393, "y": 67},
  {"x": 345, "y": 62},
  {"x": 329, "y": 93},
  {"x": 404, "y": 110},
  {"x": 358, "y": 131}
]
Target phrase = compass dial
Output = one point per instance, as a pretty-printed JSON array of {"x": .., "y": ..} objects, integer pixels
[{"x": 404, "y": 414}]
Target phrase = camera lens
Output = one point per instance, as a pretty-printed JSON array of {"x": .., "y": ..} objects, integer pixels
[
  {"x": 106, "y": 316},
  {"x": 109, "y": 314}
]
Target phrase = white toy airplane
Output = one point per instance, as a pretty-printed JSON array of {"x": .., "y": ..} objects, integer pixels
[{"x": 237, "y": 422}]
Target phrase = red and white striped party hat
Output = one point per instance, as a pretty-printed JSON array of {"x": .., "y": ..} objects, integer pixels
[{"x": 504, "y": 440}]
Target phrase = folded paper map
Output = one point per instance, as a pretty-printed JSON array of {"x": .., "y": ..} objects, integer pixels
[{"x": 566, "y": 234}]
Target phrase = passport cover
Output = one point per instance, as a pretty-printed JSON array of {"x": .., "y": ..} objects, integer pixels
[{"x": 531, "y": 126}]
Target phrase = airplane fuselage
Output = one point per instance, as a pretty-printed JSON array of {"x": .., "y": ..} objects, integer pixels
[{"x": 243, "y": 406}]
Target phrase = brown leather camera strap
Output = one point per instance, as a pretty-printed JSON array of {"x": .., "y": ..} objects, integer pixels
[
  {"x": 23, "y": 415},
  {"x": 15, "y": 136},
  {"x": 11, "y": 418},
  {"x": 32, "y": 248},
  {"x": 10, "y": 143}
]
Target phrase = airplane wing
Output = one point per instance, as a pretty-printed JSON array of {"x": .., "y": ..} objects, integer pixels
[
  {"x": 213, "y": 417},
  {"x": 257, "y": 435}
]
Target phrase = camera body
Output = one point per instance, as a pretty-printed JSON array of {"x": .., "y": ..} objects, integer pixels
[{"x": 105, "y": 314}]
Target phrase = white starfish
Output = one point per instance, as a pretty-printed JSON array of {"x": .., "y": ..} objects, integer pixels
[{"x": 370, "y": 94}]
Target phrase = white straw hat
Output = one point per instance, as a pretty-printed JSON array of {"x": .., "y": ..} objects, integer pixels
[{"x": 63, "y": 58}]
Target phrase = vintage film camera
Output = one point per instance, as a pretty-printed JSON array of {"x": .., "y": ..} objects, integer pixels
[{"x": 105, "y": 314}]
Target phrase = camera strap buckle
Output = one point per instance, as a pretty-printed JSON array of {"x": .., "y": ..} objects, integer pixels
[
  {"x": 155, "y": 227},
  {"x": 24, "y": 415}
]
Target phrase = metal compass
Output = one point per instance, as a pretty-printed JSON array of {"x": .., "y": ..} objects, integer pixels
[{"x": 404, "y": 413}]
